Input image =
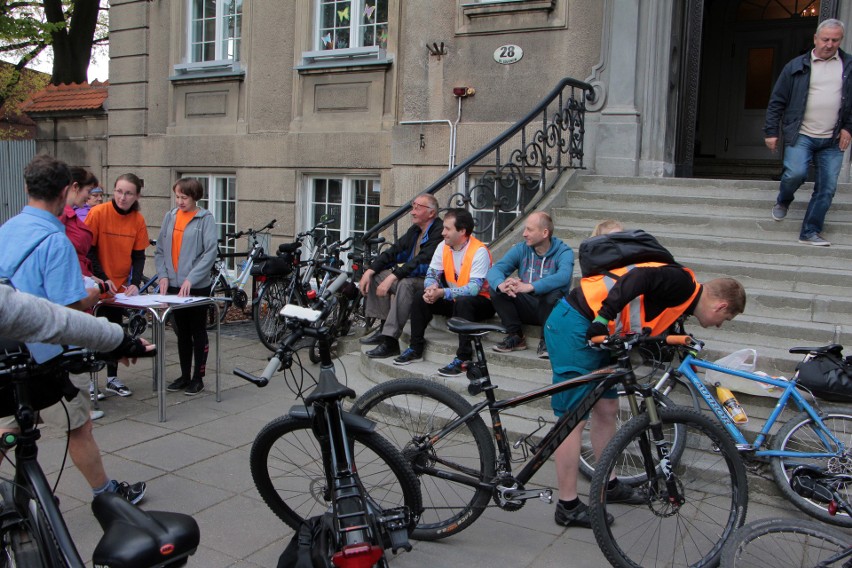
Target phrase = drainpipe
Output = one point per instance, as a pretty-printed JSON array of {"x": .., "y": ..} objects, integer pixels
[{"x": 459, "y": 93}]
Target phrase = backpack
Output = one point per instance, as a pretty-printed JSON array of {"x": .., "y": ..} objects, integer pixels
[
  {"x": 310, "y": 546},
  {"x": 828, "y": 377},
  {"x": 603, "y": 253}
]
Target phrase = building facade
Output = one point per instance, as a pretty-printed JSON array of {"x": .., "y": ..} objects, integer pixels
[{"x": 294, "y": 109}]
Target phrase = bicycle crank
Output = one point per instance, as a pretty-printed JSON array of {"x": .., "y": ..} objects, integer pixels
[{"x": 513, "y": 498}]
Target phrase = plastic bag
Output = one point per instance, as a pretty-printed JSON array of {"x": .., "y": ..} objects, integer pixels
[{"x": 741, "y": 360}]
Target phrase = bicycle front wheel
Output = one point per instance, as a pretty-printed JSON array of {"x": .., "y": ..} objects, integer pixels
[
  {"x": 287, "y": 468},
  {"x": 407, "y": 409},
  {"x": 276, "y": 293},
  {"x": 786, "y": 543},
  {"x": 802, "y": 435},
  {"x": 220, "y": 290},
  {"x": 631, "y": 470},
  {"x": 687, "y": 516}
]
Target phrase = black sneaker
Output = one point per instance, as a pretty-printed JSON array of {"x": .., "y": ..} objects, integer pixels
[
  {"x": 541, "y": 352},
  {"x": 194, "y": 388},
  {"x": 132, "y": 493},
  {"x": 623, "y": 493},
  {"x": 513, "y": 342},
  {"x": 454, "y": 369},
  {"x": 576, "y": 517},
  {"x": 408, "y": 356},
  {"x": 178, "y": 385}
]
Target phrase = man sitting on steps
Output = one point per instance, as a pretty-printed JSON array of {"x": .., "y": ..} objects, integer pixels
[
  {"x": 545, "y": 265},
  {"x": 395, "y": 278},
  {"x": 455, "y": 286}
]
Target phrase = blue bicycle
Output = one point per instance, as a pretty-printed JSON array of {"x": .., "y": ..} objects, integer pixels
[{"x": 817, "y": 436}]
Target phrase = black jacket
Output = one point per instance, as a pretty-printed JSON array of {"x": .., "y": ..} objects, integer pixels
[
  {"x": 397, "y": 255},
  {"x": 789, "y": 98}
]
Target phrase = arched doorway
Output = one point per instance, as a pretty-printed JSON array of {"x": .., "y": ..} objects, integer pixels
[{"x": 744, "y": 46}]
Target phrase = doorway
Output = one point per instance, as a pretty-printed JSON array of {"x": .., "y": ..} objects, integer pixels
[{"x": 745, "y": 44}]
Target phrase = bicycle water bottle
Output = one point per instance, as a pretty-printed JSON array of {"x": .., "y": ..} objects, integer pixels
[
  {"x": 243, "y": 265},
  {"x": 732, "y": 407}
]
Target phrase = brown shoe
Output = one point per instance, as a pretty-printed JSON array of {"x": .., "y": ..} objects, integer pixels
[{"x": 513, "y": 342}]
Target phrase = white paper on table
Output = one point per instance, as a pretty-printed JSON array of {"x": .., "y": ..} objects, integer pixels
[
  {"x": 139, "y": 301},
  {"x": 155, "y": 299}
]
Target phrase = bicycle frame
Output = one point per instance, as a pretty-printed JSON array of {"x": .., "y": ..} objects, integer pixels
[
  {"x": 31, "y": 484},
  {"x": 828, "y": 439},
  {"x": 607, "y": 378}
]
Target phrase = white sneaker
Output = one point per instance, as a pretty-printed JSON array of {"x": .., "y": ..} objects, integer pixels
[
  {"x": 117, "y": 387},
  {"x": 101, "y": 395},
  {"x": 96, "y": 414}
]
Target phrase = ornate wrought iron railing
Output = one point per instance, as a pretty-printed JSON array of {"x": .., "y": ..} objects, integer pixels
[{"x": 508, "y": 177}]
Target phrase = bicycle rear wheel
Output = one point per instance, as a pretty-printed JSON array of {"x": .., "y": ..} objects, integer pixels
[
  {"x": 801, "y": 435},
  {"x": 287, "y": 468},
  {"x": 220, "y": 290},
  {"x": 406, "y": 409},
  {"x": 631, "y": 470},
  {"x": 276, "y": 293},
  {"x": 689, "y": 529},
  {"x": 785, "y": 543}
]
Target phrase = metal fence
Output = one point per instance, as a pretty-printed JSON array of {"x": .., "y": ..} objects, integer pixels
[{"x": 14, "y": 156}]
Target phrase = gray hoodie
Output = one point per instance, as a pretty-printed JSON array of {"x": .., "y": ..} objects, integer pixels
[{"x": 198, "y": 250}]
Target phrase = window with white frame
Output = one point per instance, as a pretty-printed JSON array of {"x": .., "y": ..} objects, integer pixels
[
  {"x": 351, "y": 201},
  {"x": 215, "y": 29},
  {"x": 220, "y": 198},
  {"x": 347, "y": 24}
]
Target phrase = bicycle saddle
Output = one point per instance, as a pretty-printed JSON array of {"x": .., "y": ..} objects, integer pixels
[
  {"x": 288, "y": 248},
  {"x": 832, "y": 348},
  {"x": 134, "y": 538},
  {"x": 465, "y": 327}
]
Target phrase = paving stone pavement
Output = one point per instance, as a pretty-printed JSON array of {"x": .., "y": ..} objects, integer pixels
[{"x": 197, "y": 463}]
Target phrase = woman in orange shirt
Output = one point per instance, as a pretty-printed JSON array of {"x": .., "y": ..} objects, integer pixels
[
  {"x": 186, "y": 251},
  {"x": 119, "y": 240}
]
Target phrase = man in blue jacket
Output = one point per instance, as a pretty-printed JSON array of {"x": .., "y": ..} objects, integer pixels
[
  {"x": 811, "y": 106},
  {"x": 545, "y": 265}
]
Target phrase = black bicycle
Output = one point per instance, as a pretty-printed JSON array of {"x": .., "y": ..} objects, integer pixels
[
  {"x": 694, "y": 498},
  {"x": 292, "y": 282},
  {"x": 319, "y": 459},
  {"x": 796, "y": 543},
  {"x": 33, "y": 532}
]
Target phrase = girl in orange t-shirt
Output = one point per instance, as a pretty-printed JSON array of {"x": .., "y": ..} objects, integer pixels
[{"x": 119, "y": 240}]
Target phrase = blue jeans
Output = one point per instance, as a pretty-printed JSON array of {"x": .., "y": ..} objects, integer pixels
[{"x": 828, "y": 159}]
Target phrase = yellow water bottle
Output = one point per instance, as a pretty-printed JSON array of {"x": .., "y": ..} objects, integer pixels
[{"x": 732, "y": 407}]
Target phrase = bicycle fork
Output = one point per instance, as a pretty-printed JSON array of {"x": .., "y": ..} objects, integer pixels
[{"x": 672, "y": 493}]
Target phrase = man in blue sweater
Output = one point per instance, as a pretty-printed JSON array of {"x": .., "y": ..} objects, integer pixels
[{"x": 544, "y": 265}]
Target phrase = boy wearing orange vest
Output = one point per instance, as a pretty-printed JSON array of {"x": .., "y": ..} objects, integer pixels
[
  {"x": 455, "y": 285},
  {"x": 651, "y": 295}
]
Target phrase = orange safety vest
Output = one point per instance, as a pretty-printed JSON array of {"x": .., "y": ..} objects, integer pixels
[
  {"x": 596, "y": 289},
  {"x": 467, "y": 262}
]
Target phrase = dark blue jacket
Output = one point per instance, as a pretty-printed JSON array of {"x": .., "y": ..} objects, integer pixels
[
  {"x": 786, "y": 108},
  {"x": 399, "y": 256}
]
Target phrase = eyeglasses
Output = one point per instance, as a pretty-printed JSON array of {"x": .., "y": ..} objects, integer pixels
[
  {"x": 124, "y": 193},
  {"x": 416, "y": 205}
]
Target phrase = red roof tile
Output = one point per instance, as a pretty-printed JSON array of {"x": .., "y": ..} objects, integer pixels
[{"x": 77, "y": 96}]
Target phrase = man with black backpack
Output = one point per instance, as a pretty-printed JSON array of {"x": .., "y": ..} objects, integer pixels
[{"x": 634, "y": 297}]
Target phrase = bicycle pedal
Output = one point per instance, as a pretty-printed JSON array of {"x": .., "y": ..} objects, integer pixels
[{"x": 546, "y": 496}]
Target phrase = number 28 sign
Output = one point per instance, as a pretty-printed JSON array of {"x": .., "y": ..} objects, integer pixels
[{"x": 508, "y": 54}]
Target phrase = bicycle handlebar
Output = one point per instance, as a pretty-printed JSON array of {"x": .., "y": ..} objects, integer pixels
[
  {"x": 306, "y": 317},
  {"x": 634, "y": 339},
  {"x": 251, "y": 232}
]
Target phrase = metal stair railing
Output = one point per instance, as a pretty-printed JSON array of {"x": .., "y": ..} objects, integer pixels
[{"x": 509, "y": 176}]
